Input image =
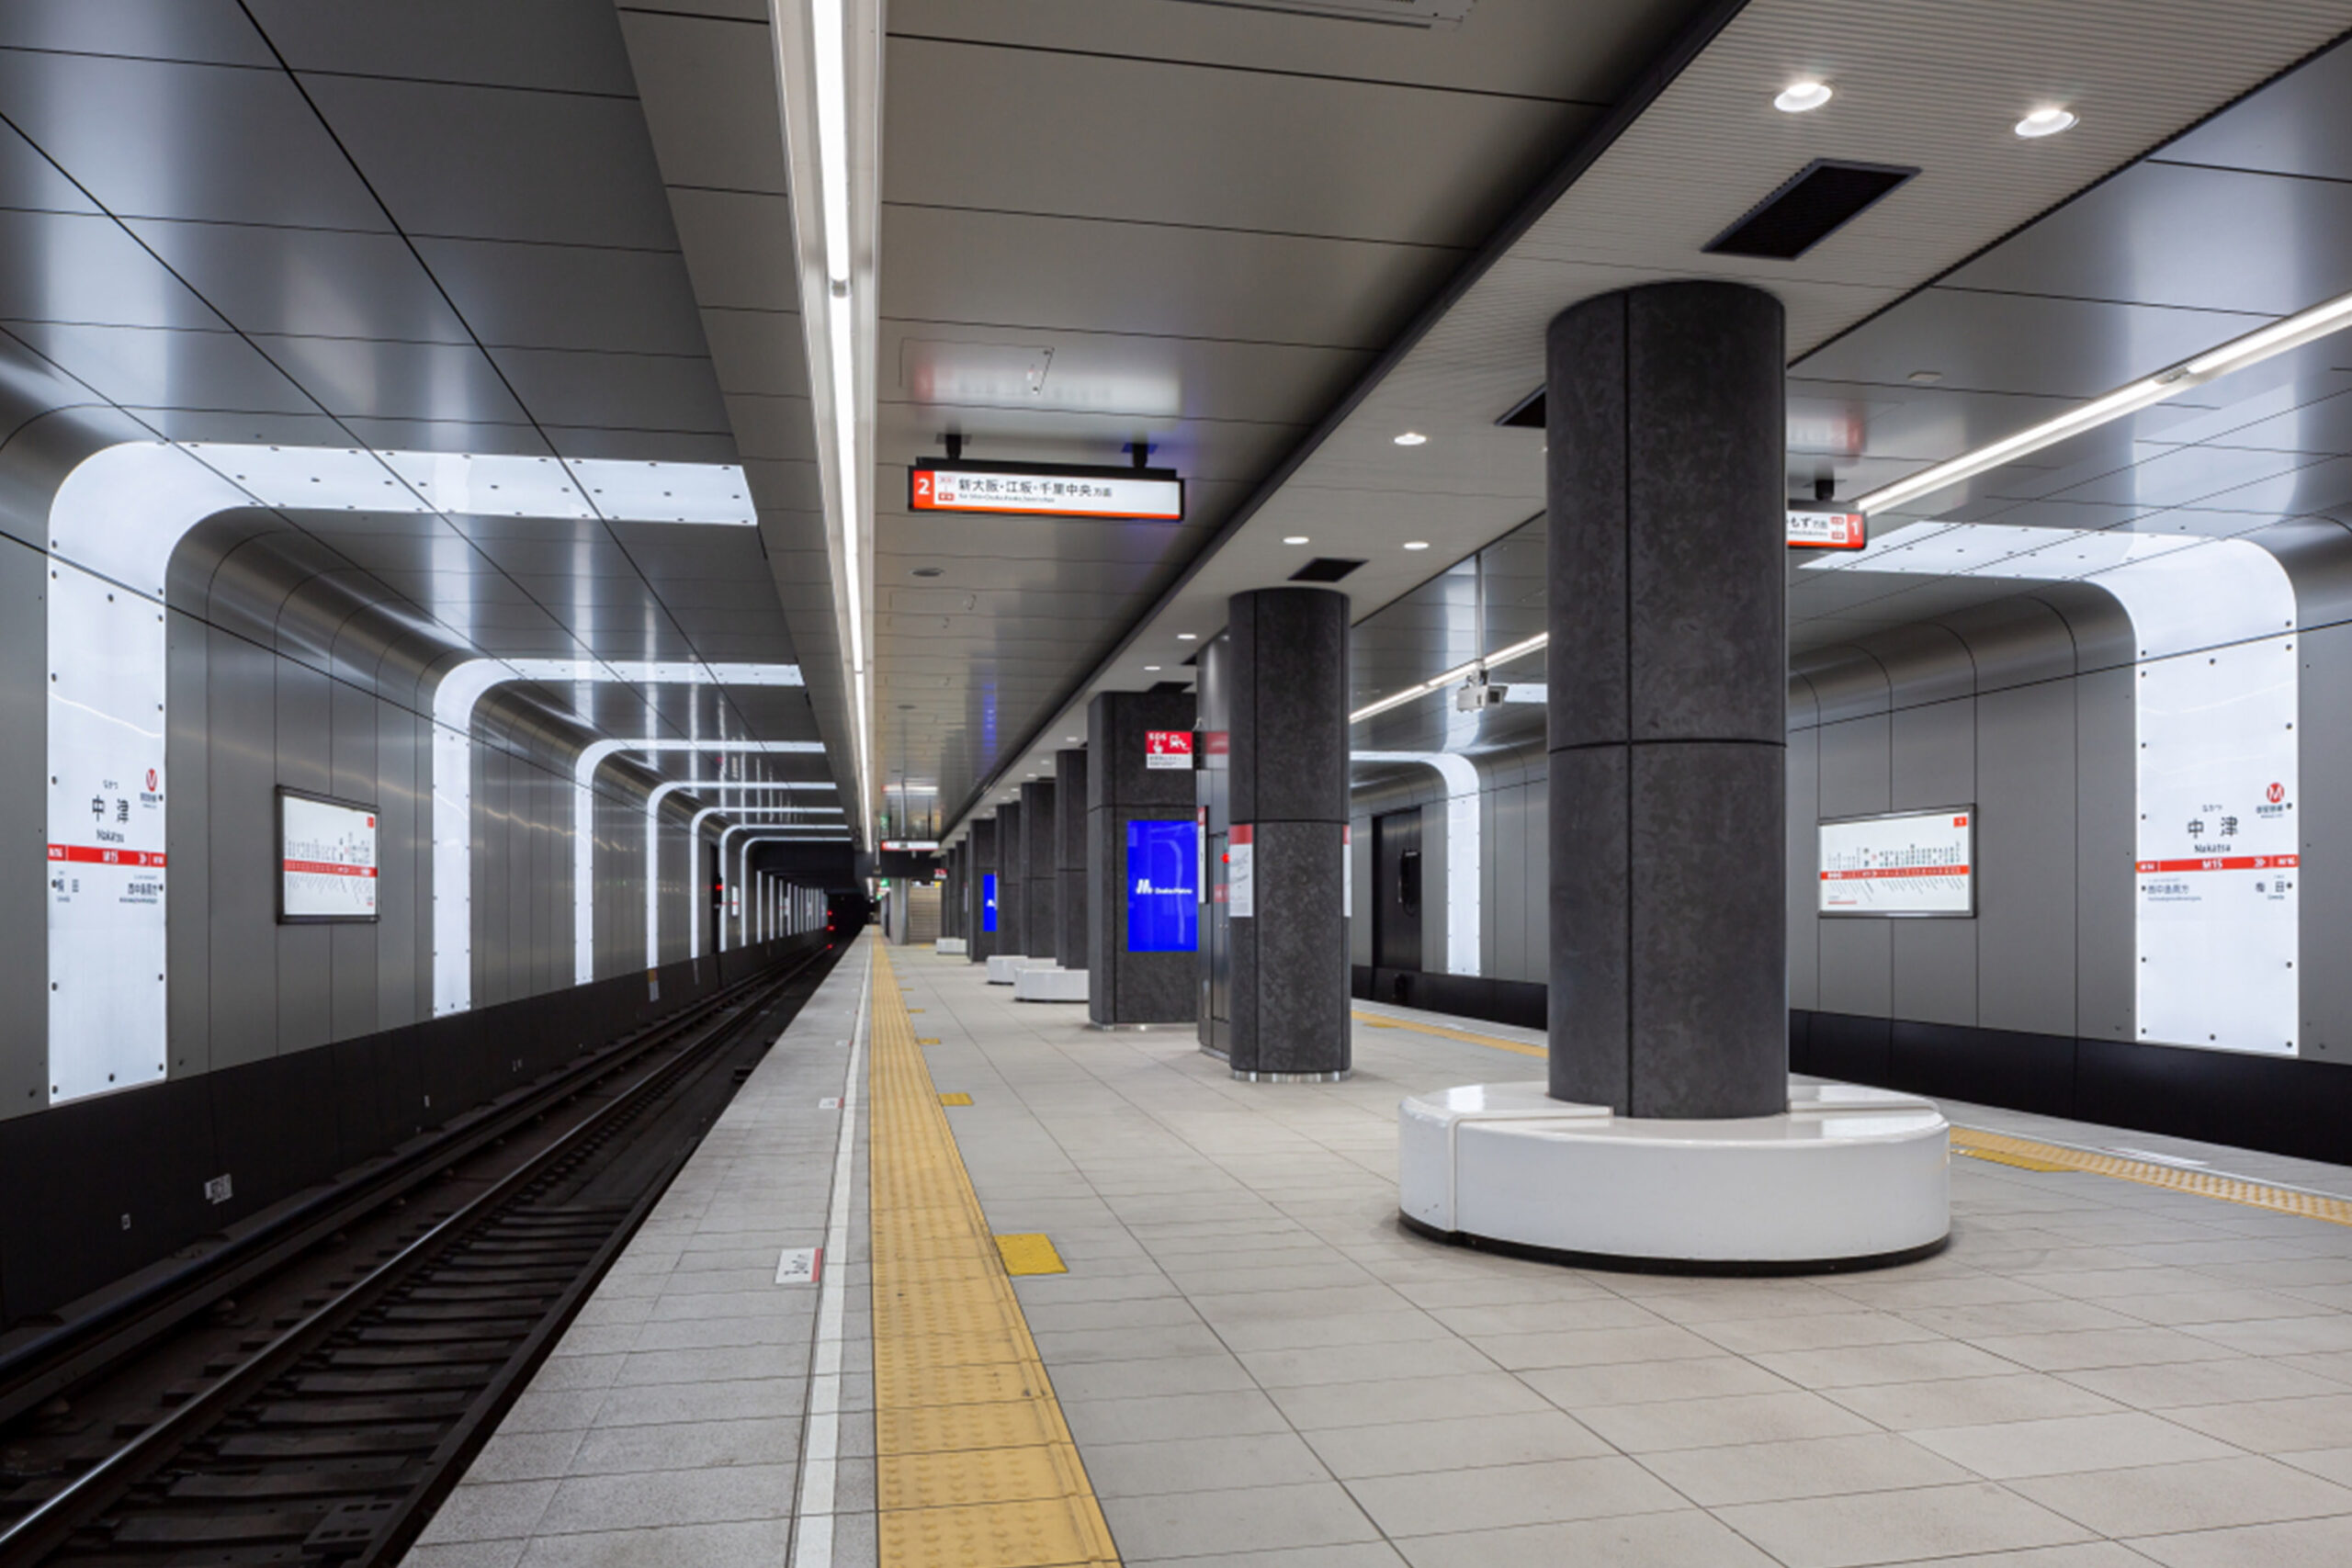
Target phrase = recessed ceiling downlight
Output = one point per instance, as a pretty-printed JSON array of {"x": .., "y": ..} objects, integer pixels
[
  {"x": 2046, "y": 123},
  {"x": 1412, "y": 438},
  {"x": 1294, "y": 539},
  {"x": 1416, "y": 543},
  {"x": 1801, "y": 97}
]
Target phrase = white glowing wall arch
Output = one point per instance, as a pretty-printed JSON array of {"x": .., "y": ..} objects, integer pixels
[
  {"x": 652, "y": 851},
  {"x": 113, "y": 525},
  {"x": 460, "y": 692},
  {"x": 2214, "y": 713},
  {"x": 1464, "y": 940},
  {"x": 584, "y": 823},
  {"x": 806, "y": 833}
]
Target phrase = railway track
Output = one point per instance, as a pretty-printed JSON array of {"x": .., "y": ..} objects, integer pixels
[{"x": 391, "y": 1347}]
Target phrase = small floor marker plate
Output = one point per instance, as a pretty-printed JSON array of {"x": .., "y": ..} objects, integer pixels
[
  {"x": 1030, "y": 1254},
  {"x": 831, "y": 1102},
  {"x": 926, "y": 1042},
  {"x": 954, "y": 1100},
  {"x": 799, "y": 1264}
]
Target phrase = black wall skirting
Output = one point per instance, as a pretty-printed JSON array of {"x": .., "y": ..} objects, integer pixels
[
  {"x": 2273, "y": 1104},
  {"x": 105, "y": 1187},
  {"x": 1515, "y": 1002}
]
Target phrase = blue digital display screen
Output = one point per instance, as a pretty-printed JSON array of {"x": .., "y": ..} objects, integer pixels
[
  {"x": 988, "y": 901},
  {"x": 1163, "y": 894}
]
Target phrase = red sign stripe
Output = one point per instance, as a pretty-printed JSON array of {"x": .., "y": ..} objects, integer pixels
[
  {"x": 2223, "y": 863},
  {"x": 1877, "y": 873},
  {"x": 329, "y": 868},
  {"x": 97, "y": 854}
]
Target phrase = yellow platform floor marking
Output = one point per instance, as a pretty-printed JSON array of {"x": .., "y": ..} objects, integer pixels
[
  {"x": 932, "y": 1040},
  {"x": 2006, "y": 1150},
  {"x": 1374, "y": 1021},
  {"x": 954, "y": 1100},
  {"x": 1030, "y": 1254},
  {"x": 975, "y": 1465}
]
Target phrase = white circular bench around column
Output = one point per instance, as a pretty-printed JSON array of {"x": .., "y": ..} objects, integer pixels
[
  {"x": 1845, "y": 1178},
  {"x": 1049, "y": 983}
]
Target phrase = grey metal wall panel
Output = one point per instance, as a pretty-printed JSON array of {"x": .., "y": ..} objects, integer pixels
[
  {"x": 1504, "y": 844},
  {"x": 352, "y": 1001},
  {"x": 1932, "y": 969},
  {"x": 1857, "y": 967},
  {"x": 1535, "y": 880},
  {"x": 2106, "y": 742},
  {"x": 1855, "y": 767},
  {"x": 187, "y": 881},
  {"x": 24, "y": 821},
  {"x": 1359, "y": 893},
  {"x": 1804, "y": 810},
  {"x": 305, "y": 752},
  {"x": 1436, "y": 888},
  {"x": 1932, "y": 757},
  {"x": 242, "y": 826},
  {"x": 2025, "y": 803},
  {"x": 403, "y": 964},
  {"x": 2326, "y": 829},
  {"x": 1924, "y": 663}
]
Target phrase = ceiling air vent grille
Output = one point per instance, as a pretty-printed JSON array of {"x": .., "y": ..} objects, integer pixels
[
  {"x": 1818, "y": 201},
  {"x": 1324, "y": 568}
]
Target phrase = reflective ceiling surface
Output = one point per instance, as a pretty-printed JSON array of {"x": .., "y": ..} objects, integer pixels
[{"x": 427, "y": 226}]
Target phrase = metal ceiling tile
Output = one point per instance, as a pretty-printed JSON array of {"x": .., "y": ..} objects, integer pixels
[
  {"x": 31, "y": 182},
  {"x": 379, "y": 379},
  {"x": 761, "y": 351},
  {"x": 1066, "y": 131},
  {"x": 777, "y": 429},
  {"x": 322, "y": 283},
  {"x": 568, "y": 296},
  {"x": 649, "y": 445},
  {"x": 236, "y": 146},
  {"x": 501, "y": 163},
  {"x": 704, "y": 79},
  {"x": 216, "y": 31},
  {"x": 508, "y": 439},
  {"x": 2168, "y": 234},
  {"x": 2299, "y": 125},
  {"x": 738, "y": 246},
  {"x": 618, "y": 391},
  {"x": 562, "y": 45},
  {"x": 149, "y": 366},
  {"x": 1046, "y": 272}
]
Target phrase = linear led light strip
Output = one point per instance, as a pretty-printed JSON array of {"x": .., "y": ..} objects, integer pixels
[
  {"x": 1459, "y": 672},
  {"x": 2252, "y": 349},
  {"x": 842, "y": 37}
]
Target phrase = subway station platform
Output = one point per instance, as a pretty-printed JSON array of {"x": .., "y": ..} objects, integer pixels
[{"x": 1215, "y": 1344}]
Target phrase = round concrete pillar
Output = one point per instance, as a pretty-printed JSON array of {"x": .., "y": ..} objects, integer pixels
[{"x": 1669, "y": 702}]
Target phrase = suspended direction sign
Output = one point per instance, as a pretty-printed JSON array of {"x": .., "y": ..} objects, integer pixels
[
  {"x": 1810, "y": 530},
  {"x": 1047, "y": 490}
]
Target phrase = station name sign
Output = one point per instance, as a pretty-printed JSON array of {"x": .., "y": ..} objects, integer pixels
[
  {"x": 914, "y": 846},
  {"x": 1810, "y": 530},
  {"x": 1046, "y": 489}
]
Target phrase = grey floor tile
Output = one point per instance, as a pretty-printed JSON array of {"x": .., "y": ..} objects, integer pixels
[
  {"x": 1814, "y": 1467},
  {"x": 2275, "y": 1425},
  {"x": 1643, "y": 1382},
  {"x": 495, "y": 1510},
  {"x": 2304, "y": 1543},
  {"x": 1859, "y": 1366},
  {"x": 1168, "y": 1417},
  {"x": 1893, "y": 1527},
  {"x": 1964, "y": 1402},
  {"x": 2204, "y": 1382},
  {"x": 1550, "y": 1492},
  {"x": 1709, "y": 1423},
  {"x": 1202, "y": 1464},
  {"x": 1689, "y": 1539},
  {"x": 1353, "y": 1364},
  {"x": 2052, "y": 1446},
  {"x": 1404, "y": 1398},
  {"x": 1256, "y": 1518},
  {"x": 2163, "y": 1499},
  {"x": 761, "y": 1543},
  {"x": 689, "y": 1445},
  {"x": 1817, "y": 1331}
]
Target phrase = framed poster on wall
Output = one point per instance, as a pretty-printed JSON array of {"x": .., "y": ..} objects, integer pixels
[
  {"x": 326, "y": 860},
  {"x": 1917, "y": 864}
]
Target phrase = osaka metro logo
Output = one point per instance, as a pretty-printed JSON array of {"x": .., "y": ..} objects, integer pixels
[{"x": 2278, "y": 792}]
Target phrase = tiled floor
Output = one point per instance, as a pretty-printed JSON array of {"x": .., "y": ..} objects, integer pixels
[
  {"x": 1260, "y": 1366},
  {"x": 666, "y": 1429}
]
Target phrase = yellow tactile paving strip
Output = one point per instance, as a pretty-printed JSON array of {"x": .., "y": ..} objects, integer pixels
[
  {"x": 975, "y": 1466},
  {"x": 2029, "y": 1154},
  {"x": 1373, "y": 1021},
  {"x": 2025, "y": 1154}
]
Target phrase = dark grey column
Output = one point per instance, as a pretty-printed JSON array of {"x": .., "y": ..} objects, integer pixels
[
  {"x": 951, "y": 894},
  {"x": 1287, "y": 758},
  {"x": 982, "y": 940},
  {"x": 1669, "y": 702},
  {"x": 1039, "y": 887},
  {"x": 1124, "y": 988},
  {"x": 1012, "y": 880},
  {"x": 1070, "y": 859}
]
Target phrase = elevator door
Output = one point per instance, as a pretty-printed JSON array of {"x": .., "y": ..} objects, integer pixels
[{"x": 1397, "y": 890}]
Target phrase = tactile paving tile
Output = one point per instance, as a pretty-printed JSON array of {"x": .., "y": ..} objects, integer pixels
[
  {"x": 2006, "y": 1150},
  {"x": 975, "y": 1467}
]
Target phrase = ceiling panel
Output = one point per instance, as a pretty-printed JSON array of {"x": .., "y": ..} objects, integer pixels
[
  {"x": 381, "y": 379},
  {"x": 618, "y": 391},
  {"x": 62, "y": 267},
  {"x": 213, "y": 30},
  {"x": 569, "y": 296},
  {"x": 559, "y": 45},
  {"x": 214, "y": 143},
  {"x": 316, "y": 282},
  {"x": 152, "y": 367}
]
